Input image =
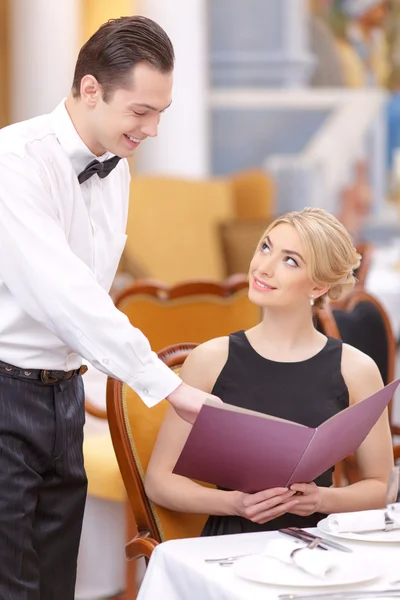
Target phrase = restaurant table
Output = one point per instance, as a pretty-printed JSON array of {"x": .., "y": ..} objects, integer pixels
[{"x": 177, "y": 570}]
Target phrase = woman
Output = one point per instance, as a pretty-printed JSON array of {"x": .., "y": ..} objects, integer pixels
[{"x": 284, "y": 367}]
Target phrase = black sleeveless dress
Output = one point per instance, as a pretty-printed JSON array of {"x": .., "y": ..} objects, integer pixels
[{"x": 307, "y": 392}]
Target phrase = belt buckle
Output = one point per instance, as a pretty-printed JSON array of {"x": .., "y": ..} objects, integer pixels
[{"x": 46, "y": 378}]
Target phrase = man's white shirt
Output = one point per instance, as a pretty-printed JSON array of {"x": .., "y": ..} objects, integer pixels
[{"x": 60, "y": 244}]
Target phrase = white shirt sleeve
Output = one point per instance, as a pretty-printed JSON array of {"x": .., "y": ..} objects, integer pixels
[{"x": 57, "y": 289}]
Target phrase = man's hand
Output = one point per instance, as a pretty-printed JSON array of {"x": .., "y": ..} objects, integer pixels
[
  {"x": 188, "y": 400},
  {"x": 264, "y": 506}
]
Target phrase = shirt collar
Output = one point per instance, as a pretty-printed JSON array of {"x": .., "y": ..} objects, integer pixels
[{"x": 73, "y": 145}]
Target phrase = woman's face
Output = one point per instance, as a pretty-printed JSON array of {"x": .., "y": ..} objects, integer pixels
[{"x": 278, "y": 274}]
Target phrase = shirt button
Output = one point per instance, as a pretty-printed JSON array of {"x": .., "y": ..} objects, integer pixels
[
  {"x": 105, "y": 361},
  {"x": 145, "y": 391}
]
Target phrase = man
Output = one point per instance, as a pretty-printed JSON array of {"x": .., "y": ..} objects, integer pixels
[{"x": 63, "y": 208}]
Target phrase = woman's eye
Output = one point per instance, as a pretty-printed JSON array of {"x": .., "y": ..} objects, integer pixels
[
  {"x": 291, "y": 262},
  {"x": 138, "y": 114},
  {"x": 265, "y": 248}
]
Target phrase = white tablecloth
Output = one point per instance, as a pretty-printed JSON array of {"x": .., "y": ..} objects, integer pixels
[{"x": 177, "y": 570}]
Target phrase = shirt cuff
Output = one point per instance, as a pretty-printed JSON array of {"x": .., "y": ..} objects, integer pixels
[{"x": 158, "y": 382}]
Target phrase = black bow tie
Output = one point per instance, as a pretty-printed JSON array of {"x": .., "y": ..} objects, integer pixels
[{"x": 101, "y": 168}]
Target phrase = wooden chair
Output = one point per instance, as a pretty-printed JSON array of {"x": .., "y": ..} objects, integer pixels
[
  {"x": 325, "y": 322},
  {"x": 363, "y": 323},
  {"x": 195, "y": 310},
  {"x": 134, "y": 428},
  {"x": 366, "y": 250}
]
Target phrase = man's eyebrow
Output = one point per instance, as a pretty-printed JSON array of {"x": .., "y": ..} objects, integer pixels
[{"x": 149, "y": 107}]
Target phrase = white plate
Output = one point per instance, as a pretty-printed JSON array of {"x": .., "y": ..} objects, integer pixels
[
  {"x": 392, "y": 536},
  {"x": 265, "y": 569}
]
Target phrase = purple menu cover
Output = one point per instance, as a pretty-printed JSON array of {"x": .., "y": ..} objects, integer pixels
[{"x": 244, "y": 450}]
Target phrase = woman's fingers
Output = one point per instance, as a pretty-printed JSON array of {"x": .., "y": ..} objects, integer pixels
[
  {"x": 273, "y": 495},
  {"x": 276, "y": 504},
  {"x": 272, "y": 513}
]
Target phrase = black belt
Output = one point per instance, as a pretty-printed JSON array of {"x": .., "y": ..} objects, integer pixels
[{"x": 43, "y": 375}]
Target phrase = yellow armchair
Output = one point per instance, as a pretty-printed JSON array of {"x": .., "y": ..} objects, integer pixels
[{"x": 174, "y": 225}]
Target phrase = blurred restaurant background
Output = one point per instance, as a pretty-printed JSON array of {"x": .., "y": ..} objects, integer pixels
[{"x": 277, "y": 105}]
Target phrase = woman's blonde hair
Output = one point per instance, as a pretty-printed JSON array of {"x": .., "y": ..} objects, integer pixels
[{"x": 331, "y": 256}]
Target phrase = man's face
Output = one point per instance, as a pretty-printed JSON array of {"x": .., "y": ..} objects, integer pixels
[{"x": 130, "y": 114}]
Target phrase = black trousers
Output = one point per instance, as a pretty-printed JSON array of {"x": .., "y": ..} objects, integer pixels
[{"x": 42, "y": 487}]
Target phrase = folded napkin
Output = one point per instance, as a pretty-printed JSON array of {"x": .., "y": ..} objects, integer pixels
[
  {"x": 316, "y": 562},
  {"x": 363, "y": 520}
]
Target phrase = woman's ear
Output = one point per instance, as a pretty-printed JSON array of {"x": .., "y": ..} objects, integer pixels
[{"x": 317, "y": 292}]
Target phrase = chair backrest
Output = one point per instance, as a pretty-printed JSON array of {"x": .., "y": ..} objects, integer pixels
[
  {"x": 325, "y": 323},
  {"x": 191, "y": 310},
  {"x": 366, "y": 250},
  {"x": 254, "y": 194},
  {"x": 134, "y": 428},
  {"x": 363, "y": 323},
  {"x": 173, "y": 226},
  {"x": 254, "y": 202},
  {"x": 239, "y": 239}
]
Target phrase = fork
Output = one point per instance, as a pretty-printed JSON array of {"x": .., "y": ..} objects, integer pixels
[
  {"x": 225, "y": 559},
  {"x": 229, "y": 560}
]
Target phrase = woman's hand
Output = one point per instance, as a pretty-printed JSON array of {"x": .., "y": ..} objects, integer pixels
[
  {"x": 264, "y": 506},
  {"x": 309, "y": 498}
]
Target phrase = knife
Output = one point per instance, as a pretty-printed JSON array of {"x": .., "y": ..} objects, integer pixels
[
  {"x": 347, "y": 595},
  {"x": 306, "y": 536}
]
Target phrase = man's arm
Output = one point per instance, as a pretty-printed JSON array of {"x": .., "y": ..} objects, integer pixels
[{"x": 59, "y": 290}]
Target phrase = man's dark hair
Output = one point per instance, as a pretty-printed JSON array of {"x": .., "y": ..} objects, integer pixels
[{"x": 117, "y": 47}]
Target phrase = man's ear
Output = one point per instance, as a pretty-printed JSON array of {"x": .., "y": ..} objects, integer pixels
[{"x": 91, "y": 90}]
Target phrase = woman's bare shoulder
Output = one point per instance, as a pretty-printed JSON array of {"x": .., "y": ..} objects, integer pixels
[
  {"x": 360, "y": 373},
  {"x": 205, "y": 362}
]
